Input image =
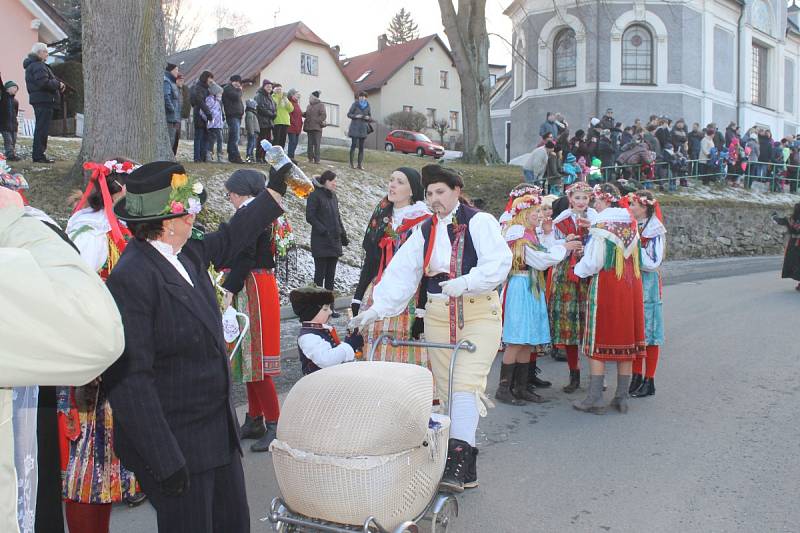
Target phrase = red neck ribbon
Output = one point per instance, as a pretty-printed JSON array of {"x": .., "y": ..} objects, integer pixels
[{"x": 99, "y": 174}]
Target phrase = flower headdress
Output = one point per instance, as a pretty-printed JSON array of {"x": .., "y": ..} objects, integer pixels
[
  {"x": 579, "y": 186},
  {"x": 642, "y": 199},
  {"x": 184, "y": 196},
  {"x": 523, "y": 202},
  {"x": 603, "y": 195}
]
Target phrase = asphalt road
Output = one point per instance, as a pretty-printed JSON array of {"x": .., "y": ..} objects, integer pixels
[{"x": 715, "y": 450}]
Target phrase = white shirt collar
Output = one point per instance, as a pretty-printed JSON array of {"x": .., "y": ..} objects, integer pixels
[
  {"x": 170, "y": 255},
  {"x": 247, "y": 202},
  {"x": 165, "y": 249},
  {"x": 449, "y": 216}
]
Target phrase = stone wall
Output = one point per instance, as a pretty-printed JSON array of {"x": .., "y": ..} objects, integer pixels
[{"x": 703, "y": 230}]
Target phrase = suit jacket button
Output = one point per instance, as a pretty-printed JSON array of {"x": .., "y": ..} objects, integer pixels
[
  {"x": 494, "y": 313},
  {"x": 472, "y": 300}
]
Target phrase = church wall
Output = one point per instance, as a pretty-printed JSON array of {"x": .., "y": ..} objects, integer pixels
[
  {"x": 722, "y": 114},
  {"x": 788, "y": 87},
  {"x": 724, "y": 60}
]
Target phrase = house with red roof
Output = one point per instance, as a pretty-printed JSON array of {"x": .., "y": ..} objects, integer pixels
[
  {"x": 418, "y": 75},
  {"x": 291, "y": 55}
]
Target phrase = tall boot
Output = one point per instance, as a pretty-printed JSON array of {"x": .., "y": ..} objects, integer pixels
[
  {"x": 574, "y": 381},
  {"x": 620, "y": 400},
  {"x": 520, "y": 388},
  {"x": 253, "y": 428},
  {"x": 361, "y": 159},
  {"x": 593, "y": 403},
  {"x": 262, "y": 444},
  {"x": 636, "y": 382},
  {"x": 471, "y": 478},
  {"x": 647, "y": 388},
  {"x": 455, "y": 470},
  {"x": 534, "y": 380},
  {"x": 352, "y": 155},
  {"x": 503, "y": 393}
]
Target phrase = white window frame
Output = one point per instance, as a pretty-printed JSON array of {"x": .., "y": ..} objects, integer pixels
[
  {"x": 444, "y": 79},
  {"x": 431, "y": 116},
  {"x": 454, "y": 115},
  {"x": 421, "y": 80},
  {"x": 332, "y": 110},
  {"x": 309, "y": 64}
]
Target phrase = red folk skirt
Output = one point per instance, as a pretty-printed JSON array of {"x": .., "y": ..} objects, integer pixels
[
  {"x": 615, "y": 318},
  {"x": 259, "y": 354}
]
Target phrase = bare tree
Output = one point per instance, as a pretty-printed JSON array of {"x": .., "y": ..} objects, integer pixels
[
  {"x": 124, "y": 109},
  {"x": 441, "y": 126},
  {"x": 181, "y": 25},
  {"x": 466, "y": 31},
  {"x": 228, "y": 18}
]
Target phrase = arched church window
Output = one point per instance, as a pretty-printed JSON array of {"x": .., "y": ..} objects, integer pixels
[
  {"x": 564, "y": 58},
  {"x": 519, "y": 68},
  {"x": 637, "y": 56}
]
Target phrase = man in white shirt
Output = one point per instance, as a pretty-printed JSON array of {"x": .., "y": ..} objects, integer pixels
[{"x": 461, "y": 258}]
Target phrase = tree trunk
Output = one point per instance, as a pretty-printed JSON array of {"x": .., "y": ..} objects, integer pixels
[
  {"x": 123, "y": 74},
  {"x": 466, "y": 31}
]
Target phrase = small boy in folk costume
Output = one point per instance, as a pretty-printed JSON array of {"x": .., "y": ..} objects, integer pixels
[
  {"x": 525, "y": 324},
  {"x": 615, "y": 315},
  {"x": 567, "y": 304},
  {"x": 318, "y": 343},
  {"x": 652, "y": 233}
]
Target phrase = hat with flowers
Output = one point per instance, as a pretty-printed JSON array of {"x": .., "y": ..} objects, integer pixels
[{"x": 159, "y": 191}]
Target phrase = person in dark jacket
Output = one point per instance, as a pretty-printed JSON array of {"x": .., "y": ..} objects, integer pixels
[
  {"x": 172, "y": 103},
  {"x": 327, "y": 231},
  {"x": 44, "y": 94},
  {"x": 234, "y": 112},
  {"x": 266, "y": 112},
  {"x": 360, "y": 117},
  {"x": 174, "y": 424},
  {"x": 199, "y": 94},
  {"x": 185, "y": 110},
  {"x": 295, "y": 122},
  {"x": 9, "y": 109},
  {"x": 765, "y": 155},
  {"x": 315, "y": 117}
]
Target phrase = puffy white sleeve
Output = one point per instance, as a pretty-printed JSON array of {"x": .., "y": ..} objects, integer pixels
[
  {"x": 93, "y": 245},
  {"x": 494, "y": 256},
  {"x": 549, "y": 240},
  {"x": 401, "y": 278},
  {"x": 322, "y": 353},
  {"x": 594, "y": 256},
  {"x": 653, "y": 254},
  {"x": 543, "y": 260}
]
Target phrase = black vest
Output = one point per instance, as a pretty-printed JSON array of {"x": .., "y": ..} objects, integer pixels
[
  {"x": 307, "y": 328},
  {"x": 470, "y": 258}
]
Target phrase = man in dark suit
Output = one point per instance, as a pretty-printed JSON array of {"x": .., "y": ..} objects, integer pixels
[{"x": 174, "y": 424}]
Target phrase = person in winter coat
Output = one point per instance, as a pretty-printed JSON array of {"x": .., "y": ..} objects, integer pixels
[
  {"x": 549, "y": 126},
  {"x": 360, "y": 117},
  {"x": 295, "y": 122},
  {"x": 605, "y": 151},
  {"x": 327, "y": 231},
  {"x": 765, "y": 152},
  {"x": 752, "y": 149},
  {"x": 315, "y": 116},
  {"x": 730, "y": 132},
  {"x": 234, "y": 112},
  {"x": 534, "y": 167},
  {"x": 553, "y": 174},
  {"x": 9, "y": 109},
  {"x": 607, "y": 120},
  {"x": 185, "y": 110},
  {"x": 265, "y": 110},
  {"x": 44, "y": 94},
  {"x": 251, "y": 127},
  {"x": 200, "y": 114},
  {"x": 708, "y": 171},
  {"x": 678, "y": 137},
  {"x": 280, "y": 126},
  {"x": 172, "y": 102},
  {"x": 215, "y": 120}
]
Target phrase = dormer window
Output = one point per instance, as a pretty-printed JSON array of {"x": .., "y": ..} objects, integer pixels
[{"x": 363, "y": 76}]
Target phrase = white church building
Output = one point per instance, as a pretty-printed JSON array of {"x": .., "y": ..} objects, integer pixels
[{"x": 702, "y": 60}]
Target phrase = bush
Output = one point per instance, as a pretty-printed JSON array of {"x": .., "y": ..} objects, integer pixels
[
  {"x": 407, "y": 120},
  {"x": 71, "y": 73}
]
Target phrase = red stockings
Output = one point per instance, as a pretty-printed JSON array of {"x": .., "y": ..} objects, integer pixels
[
  {"x": 262, "y": 399},
  {"x": 87, "y": 517}
]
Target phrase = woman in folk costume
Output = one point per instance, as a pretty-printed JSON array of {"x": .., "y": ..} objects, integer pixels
[
  {"x": 525, "y": 326},
  {"x": 567, "y": 304},
  {"x": 647, "y": 211},
  {"x": 250, "y": 286},
  {"x": 93, "y": 477},
  {"x": 615, "y": 314},
  {"x": 465, "y": 258},
  {"x": 791, "y": 258},
  {"x": 394, "y": 220}
]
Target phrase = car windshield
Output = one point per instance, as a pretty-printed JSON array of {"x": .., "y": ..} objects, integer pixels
[{"x": 421, "y": 137}]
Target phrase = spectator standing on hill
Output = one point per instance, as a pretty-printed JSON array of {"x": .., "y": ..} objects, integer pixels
[
  {"x": 200, "y": 115},
  {"x": 172, "y": 103},
  {"x": 265, "y": 110},
  {"x": 327, "y": 231},
  {"x": 44, "y": 94},
  {"x": 251, "y": 127},
  {"x": 360, "y": 116},
  {"x": 9, "y": 109},
  {"x": 707, "y": 170},
  {"x": 215, "y": 120},
  {"x": 186, "y": 108},
  {"x": 295, "y": 122},
  {"x": 280, "y": 126},
  {"x": 234, "y": 111},
  {"x": 549, "y": 126},
  {"x": 315, "y": 116}
]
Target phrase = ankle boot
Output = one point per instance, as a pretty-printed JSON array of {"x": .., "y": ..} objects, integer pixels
[
  {"x": 593, "y": 403},
  {"x": 620, "y": 400},
  {"x": 262, "y": 444},
  {"x": 352, "y": 162},
  {"x": 520, "y": 388},
  {"x": 636, "y": 382},
  {"x": 647, "y": 388},
  {"x": 471, "y": 477},
  {"x": 455, "y": 470},
  {"x": 574, "y": 381},
  {"x": 503, "y": 393},
  {"x": 533, "y": 378},
  {"x": 253, "y": 428}
]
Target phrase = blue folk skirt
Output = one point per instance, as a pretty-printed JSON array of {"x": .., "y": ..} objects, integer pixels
[
  {"x": 653, "y": 318},
  {"x": 525, "y": 318}
]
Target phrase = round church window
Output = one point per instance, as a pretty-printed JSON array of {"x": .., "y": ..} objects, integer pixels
[{"x": 636, "y": 41}]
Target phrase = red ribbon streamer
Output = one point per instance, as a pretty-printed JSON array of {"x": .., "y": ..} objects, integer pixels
[{"x": 101, "y": 171}]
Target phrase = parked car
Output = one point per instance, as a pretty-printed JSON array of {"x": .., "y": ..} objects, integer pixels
[{"x": 412, "y": 142}]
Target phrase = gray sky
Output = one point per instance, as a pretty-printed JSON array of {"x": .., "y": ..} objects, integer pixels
[{"x": 352, "y": 24}]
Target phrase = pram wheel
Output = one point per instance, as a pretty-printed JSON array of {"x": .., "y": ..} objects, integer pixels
[{"x": 443, "y": 513}]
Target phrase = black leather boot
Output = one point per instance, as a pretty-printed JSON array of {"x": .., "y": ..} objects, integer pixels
[
  {"x": 471, "y": 479},
  {"x": 636, "y": 382},
  {"x": 520, "y": 387},
  {"x": 533, "y": 378},
  {"x": 262, "y": 444},
  {"x": 503, "y": 394},
  {"x": 574, "y": 381},
  {"x": 253, "y": 428},
  {"x": 455, "y": 470},
  {"x": 647, "y": 388}
]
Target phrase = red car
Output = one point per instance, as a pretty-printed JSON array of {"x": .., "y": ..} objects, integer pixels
[{"x": 409, "y": 142}]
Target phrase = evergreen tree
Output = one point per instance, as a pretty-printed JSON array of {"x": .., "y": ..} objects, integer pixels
[{"x": 402, "y": 28}]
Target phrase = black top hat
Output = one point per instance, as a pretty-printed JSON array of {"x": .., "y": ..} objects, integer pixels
[
  {"x": 159, "y": 191},
  {"x": 307, "y": 301}
]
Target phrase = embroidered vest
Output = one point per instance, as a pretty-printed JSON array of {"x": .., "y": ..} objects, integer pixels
[
  {"x": 469, "y": 259},
  {"x": 307, "y": 365}
]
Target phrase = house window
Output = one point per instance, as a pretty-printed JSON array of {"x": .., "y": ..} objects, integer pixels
[
  {"x": 408, "y": 108},
  {"x": 443, "y": 81},
  {"x": 431, "y": 114},
  {"x": 309, "y": 64},
  {"x": 363, "y": 76},
  {"x": 417, "y": 75},
  {"x": 758, "y": 77},
  {"x": 454, "y": 120},
  {"x": 332, "y": 110},
  {"x": 492, "y": 80},
  {"x": 637, "y": 56},
  {"x": 564, "y": 59}
]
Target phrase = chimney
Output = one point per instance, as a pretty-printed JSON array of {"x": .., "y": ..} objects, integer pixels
[
  {"x": 382, "y": 42},
  {"x": 337, "y": 50},
  {"x": 224, "y": 33}
]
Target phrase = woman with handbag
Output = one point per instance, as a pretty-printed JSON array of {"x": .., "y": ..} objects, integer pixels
[{"x": 360, "y": 117}]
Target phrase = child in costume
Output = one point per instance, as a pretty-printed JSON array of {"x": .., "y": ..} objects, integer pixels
[
  {"x": 318, "y": 343},
  {"x": 652, "y": 233},
  {"x": 526, "y": 325}
]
